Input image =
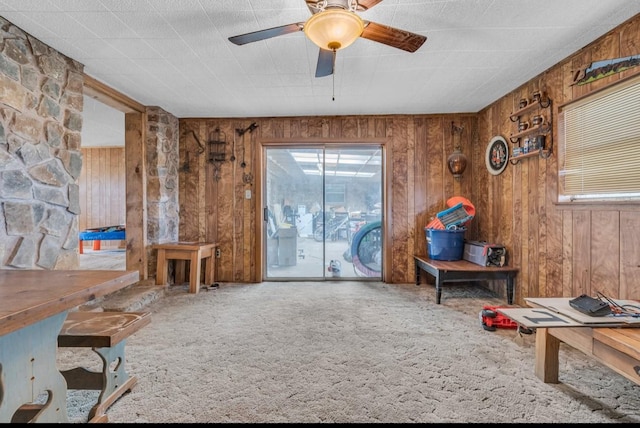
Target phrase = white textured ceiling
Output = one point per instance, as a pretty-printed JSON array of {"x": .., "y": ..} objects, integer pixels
[{"x": 175, "y": 54}]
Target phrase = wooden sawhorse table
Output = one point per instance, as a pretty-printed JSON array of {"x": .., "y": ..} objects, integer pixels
[
  {"x": 464, "y": 271},
  {"x": 194, "y": 252},
  {"x": 612, "y": 341}
]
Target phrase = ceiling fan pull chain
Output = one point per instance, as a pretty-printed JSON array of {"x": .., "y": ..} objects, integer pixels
[
  {"x": 333, "y": 77},
  {"x": 333, "y": 95}
]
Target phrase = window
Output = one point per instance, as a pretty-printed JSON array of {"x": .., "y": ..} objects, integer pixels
[{"x": 599, "y": 139}]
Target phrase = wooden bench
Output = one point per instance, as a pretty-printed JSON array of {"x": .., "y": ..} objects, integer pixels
[
  {"x": 464, "y": 271},
  {"x": 105, "y": 333}
]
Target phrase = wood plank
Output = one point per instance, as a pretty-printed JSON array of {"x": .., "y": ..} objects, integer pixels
[
  {"x": 420, "y": 176},
  {"x": 136, "y": 197},
  {"x": 568, "y": 283},
  {"x": 629, "y": 254},
  {"x": 24, "y": 301},
  {"x": 625, "y": 340},
  {"x": 411, "y": 199},
  {"x": 605, "y": 253},
  {"x": 400, "y": 250},
  {"x": 581, "y": 265},
  {"x": 553, "y": 238},
  {"x": 100, "y": 329}
]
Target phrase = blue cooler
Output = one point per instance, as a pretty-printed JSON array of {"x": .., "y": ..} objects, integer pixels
[{"x": 445, "y": 244}]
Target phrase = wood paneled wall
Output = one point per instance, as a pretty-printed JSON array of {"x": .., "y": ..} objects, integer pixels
[
  {"x": 562, "y": 250},
  {"x": 418, "y": 183},
  {"x": 102, "y": 190}
]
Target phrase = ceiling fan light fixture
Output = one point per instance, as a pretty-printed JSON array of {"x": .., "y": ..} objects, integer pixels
[{"x": 334, "y": 29}]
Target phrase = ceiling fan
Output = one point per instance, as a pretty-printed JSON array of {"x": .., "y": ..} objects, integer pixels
[{"x": 334, "y": 25}]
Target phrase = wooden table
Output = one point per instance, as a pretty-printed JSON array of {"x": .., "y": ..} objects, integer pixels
[
  {"x": 33, "y": 307},
  {"x": 194, "y": 252},
  {"x": 609, "y": 340},
  {"x": 464, "y": 271}
]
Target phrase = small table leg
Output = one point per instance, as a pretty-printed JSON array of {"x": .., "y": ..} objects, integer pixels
[
  {"x": 417, "y": 273},
  {"x": 162, "y": 270},
  {"x": 195, "y": 272},
  {"x": 510, "y": 290}
]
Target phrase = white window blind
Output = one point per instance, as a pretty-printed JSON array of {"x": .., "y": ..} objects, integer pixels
[{"x": 600, "y": 135}]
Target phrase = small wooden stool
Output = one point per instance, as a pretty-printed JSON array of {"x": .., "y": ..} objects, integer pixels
[
  {"x": 194, "y": 253},
  {"x": 105, "y": 333}
]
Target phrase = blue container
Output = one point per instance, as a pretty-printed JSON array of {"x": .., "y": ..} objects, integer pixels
[{"x": 444, "y": 244}]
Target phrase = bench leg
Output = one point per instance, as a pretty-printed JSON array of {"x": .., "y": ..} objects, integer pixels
[
  {"x": 113, "y": 384},
  {"x": 439, "y": 282},
  {"x": 510, "y": 287},
  {"x": 96, "y": 245}
]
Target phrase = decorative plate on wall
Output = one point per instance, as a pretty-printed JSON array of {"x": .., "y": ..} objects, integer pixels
[{"x": 497, "y": 155}]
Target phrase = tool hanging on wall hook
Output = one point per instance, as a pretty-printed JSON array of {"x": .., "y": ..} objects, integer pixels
[
  {"x": 250, "y": 128},
  {"x": 241, "y": 133},
  {"x": 233, "y": 148}
]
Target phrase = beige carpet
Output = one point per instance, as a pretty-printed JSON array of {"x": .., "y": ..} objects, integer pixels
[{"x": 347, "y": 352}]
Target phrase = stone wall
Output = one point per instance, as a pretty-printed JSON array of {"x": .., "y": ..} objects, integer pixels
[
  {"x": 40, "y": 161},
  {"x": 163, "y": 217}
]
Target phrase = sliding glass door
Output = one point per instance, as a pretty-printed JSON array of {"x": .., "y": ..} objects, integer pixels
[{"x": 323, "y": 212}]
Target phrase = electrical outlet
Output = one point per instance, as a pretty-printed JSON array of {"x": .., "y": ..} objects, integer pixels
[{"x": 218, "y": 253}]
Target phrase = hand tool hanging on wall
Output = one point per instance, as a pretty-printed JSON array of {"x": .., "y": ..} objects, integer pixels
[
  {"x": 233, "y": 149},
  {"x": 186, "y": 166},
  {"x": 246, "y": 177}
]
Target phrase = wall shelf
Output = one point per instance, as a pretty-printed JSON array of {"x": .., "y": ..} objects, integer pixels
[
  {"x": 537, "y": 152},
  {"x": 540, "y": 133}
]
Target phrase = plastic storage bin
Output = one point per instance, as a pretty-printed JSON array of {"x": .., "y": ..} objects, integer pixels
[{"x": 445, "y": 244}]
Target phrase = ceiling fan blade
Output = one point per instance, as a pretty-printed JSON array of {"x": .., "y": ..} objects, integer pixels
[
  {"x": 367, "y": 4},
  {"x": 326, "y": 62},
  {"x": 266, "y": 34},
  {"x": 393, "y": 37}
]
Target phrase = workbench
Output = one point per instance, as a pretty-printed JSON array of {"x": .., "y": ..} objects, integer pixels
[{"x": 611, "y": 340}]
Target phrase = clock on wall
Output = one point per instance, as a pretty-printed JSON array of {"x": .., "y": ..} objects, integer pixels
[{"x": 497, "y": 155}]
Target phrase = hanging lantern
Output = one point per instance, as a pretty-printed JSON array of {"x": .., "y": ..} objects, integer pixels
[{"x": 457, "y": 163}]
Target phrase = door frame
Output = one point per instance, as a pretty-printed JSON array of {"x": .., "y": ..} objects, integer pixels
[
  {"x": 337, "y": 142},
  {"x": 136, "y": 171}
]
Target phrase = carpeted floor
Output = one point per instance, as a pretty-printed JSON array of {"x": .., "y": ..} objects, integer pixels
[{"x": 347, "y": 352}]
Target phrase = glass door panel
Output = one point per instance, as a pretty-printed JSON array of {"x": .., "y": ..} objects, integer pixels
[{"x": 323, "y": 213}]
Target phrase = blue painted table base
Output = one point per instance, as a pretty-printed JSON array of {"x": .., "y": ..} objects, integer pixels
[{"x": 28, "y": 365}]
